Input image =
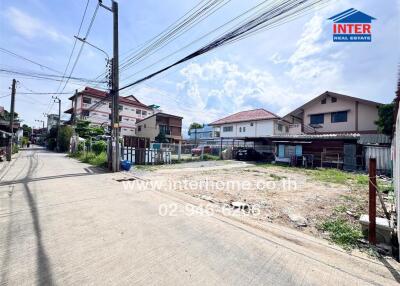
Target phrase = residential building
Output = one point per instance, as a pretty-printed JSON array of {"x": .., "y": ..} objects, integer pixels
[
  {"x": 250, "y": 124},
  {"x": 334, "y": 113},
  {"x": 5, "y": 120},
  {"x": 167, "y": 124},
  {"x": 52, "y": 121},
  {"x": 93, "y": 105},
  {"x": 201, "y": 134}
]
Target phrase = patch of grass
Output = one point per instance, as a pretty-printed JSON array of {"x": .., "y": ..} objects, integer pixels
[
  {"x": 342, "y": 232},
  {"x": 209, "y": 157},
  {"x": 339, "y": 177},
  {"x": 277, "y": 177},
  {"x": 340, "y": 209},
  {"x": 91, "y": 158}
]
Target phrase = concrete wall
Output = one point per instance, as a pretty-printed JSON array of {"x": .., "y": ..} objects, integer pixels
[{"x": 367, "y": 115}]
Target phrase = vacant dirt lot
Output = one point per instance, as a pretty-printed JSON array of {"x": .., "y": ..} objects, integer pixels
[{"x": 294, "y": 197}]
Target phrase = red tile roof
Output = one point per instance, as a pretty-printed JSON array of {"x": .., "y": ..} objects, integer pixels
[
  {"x": 249, "y": 115},
  {"x": 130, "y": 99}
]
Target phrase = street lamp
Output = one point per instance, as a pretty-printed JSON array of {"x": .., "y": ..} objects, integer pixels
[{"x": 83, "y": 40}]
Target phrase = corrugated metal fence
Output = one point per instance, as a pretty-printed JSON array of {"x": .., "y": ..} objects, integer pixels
[
  {"x": 383, "y": 158},
  {"x": 396, "y": 170}
]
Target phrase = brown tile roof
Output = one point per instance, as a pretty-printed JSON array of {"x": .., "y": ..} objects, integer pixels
[
  {"x": 249, "y": 115},
  {"x": 130, "y": 99}
]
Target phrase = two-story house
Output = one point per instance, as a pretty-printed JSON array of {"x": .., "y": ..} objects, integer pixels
[
  {"x": 250, "y": 124},
  {"x": 168, "y": 125},
  {"x": 93, "y": 105},
  {"x": 334, "y": 113}
]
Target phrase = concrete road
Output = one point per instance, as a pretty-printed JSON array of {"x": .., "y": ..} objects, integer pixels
[{"x": 65, "y": 223}]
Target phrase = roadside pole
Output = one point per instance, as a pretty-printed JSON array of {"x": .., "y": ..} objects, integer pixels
[
  {"x": 10, "y": 146},
  {"x": 372, "y": 201},
  {"x": 115, "y": 151},
  {"x": 58, "y": 100}
]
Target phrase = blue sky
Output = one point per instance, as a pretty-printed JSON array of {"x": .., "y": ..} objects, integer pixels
[{"x": 277, "y": 69}]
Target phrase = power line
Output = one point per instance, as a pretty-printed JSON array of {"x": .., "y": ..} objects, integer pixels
[
  {"x": 28, "y": 60},
  {"x": 43, "y": 76},
  {"x": 188, "y": 23},
  {"x": 82, "y": 45},
  {"x": 256, "y": 9},
  {"x": 73, "y": 47},
  {"x": 289, "y": 7}
]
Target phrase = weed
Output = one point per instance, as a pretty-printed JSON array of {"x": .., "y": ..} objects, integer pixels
[
  {"x": 340, "y": 209},
  {"x": 342, "y": 232}
]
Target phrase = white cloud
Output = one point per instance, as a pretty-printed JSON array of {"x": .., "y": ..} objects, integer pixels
[{"x": 30, "y": 27}]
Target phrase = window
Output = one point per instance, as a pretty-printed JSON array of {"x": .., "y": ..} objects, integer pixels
[
  {"x": 110, "y": 105},
  {"x": 317, "y": 119},
  {"x": 280, "y": 127},
  {"x": 227, "y": 128},
  {"x": 85, "y": 113},
  {"x": 110, "y": 117},
  {"x": 244, "y": 129},
  {"x": 333, "y": 99},
  {"x": 139, "y": 128},
  {"x": 138, "y": 111},
  {"x": 240, "y": 129},
  {"x": 144, "y": 112},
  {"x": 87, "y": 100},
  {"x": 323, "y": 101},
  {"x": 120, "y": 107},
  {"x": 251, "y": 124},
  {"x": 120, "y": 118},
  {"x": 144, "y": 126},
  {"x": 287, "y": 129},
  {"x": 340, "y": 116}
]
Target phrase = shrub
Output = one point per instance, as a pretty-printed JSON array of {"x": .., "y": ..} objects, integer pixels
[
  {"x": 15, "y": 148},
  {"x": 81, "y": 146},
  {"x": 209, "y": 157},
  {"x": 99, "y": 147}
]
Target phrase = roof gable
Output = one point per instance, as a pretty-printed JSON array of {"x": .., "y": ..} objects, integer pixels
[
  {"x": 352, "y": 16},
  {"x": 333, "y": 94},
  {"x": 249, "y": 115}
]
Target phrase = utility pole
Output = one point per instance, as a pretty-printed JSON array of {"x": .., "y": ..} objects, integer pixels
[
  {"x": 58, "y": 100},
  {"x": 10, "y": 147},
  {"x": 114, "y": 89}
]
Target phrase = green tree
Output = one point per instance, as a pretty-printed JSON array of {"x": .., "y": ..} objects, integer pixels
[
  {"x": 64, "y": 138},
  {"x": 84, "y": 130},
  {"x": 195, "y": 125},
  {"x": 160, "y": 138},
  {"x": 26, "y": 130},
  {"x": 385, "y": 120}
]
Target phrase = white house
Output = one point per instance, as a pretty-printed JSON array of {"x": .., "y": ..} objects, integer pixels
[
  {"x": 93, "y": 105},
  {"x": 250, "y": 123}
]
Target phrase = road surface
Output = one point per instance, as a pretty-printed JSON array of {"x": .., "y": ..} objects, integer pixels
[{"x": 63, "y": 222}]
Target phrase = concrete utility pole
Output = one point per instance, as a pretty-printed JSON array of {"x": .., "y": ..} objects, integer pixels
[
  {"x": 115, "y": 157},
  {"x": 10, "y": 147},
  {"x": 372, "y": 201},
  {"x": 58, "y": 100}
]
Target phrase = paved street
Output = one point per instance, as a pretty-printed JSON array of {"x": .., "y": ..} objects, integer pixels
[{"x": 63, "y": 222}]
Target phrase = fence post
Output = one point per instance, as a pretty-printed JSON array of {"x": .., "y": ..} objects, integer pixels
[
  {"x": 179, "y": 150},
  {"x": 372, "y": 201}
]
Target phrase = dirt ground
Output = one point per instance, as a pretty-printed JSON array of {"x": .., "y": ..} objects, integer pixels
[{"x": 288, "y": 196}]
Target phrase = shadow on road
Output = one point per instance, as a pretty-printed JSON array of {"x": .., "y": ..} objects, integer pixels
[
  {"x": 43, "y": 269},
  {"x": 392, "y": 270}
]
